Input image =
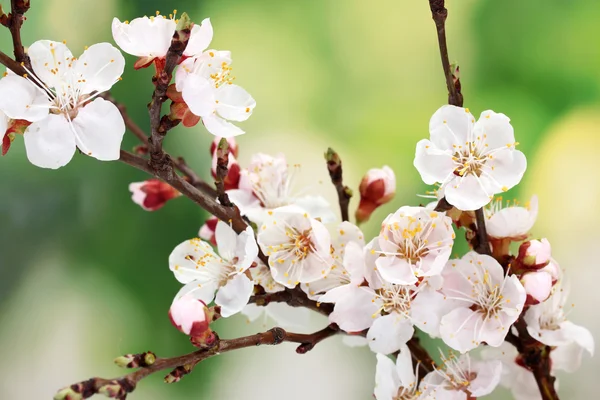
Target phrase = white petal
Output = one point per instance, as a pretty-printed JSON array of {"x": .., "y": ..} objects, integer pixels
[
  {"x": 389, "y": 333},
  {"x": 246, "y": 249},
  {"x": 100, "y": 129},
  {"x": 387, "y": 381},
  {"x": 198, "y": 93},
  {"x": 226, "y": 240},
  {"x": 200, "y": 38},
  {"x": 457, "y": 329},
  {"x": 21, "y": 99},
  {"x": 316, "y": 207},
  {"x": 50, "y": 61},
  {"x": 509, "y": 167},
  {"x": 204, "y": 292},
  {"x": 195, "y": 260},
  {"x": 99, "y": 68},
  {"x": 235, "y": 103},
  {"x": 405, "y": 369},
  {"x": 497, "y": 129},
  {"x": 451, "y": 125},
  {"x": 580, "y": 335},
  {"x": 488, "y": 377},
  {"x": 467, "y": 193},
  {"x": 434, "y": 165},
  {"x": 355, "y": 312},
  {"x": 144, "y": 37},
  {"x": 50, "y": 143},
  {"x": 354, "y": 261},
  {"x": 234, "y": 296},
  {"x": 219, "y": 127},
  {"x": 395, "y": 270}
]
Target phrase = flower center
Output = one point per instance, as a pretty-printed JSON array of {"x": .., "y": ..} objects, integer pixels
[
  {"x": 470, "y": 158},
  {"x": 223, "y": 76},
  {"x": 300, "y": 243},
  {"x": 406, "y": 394},
  {"x": 395, "y": 298},
  {"x": 488, "y": 298}
]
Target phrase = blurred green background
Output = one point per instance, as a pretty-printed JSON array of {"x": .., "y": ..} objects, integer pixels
[{"x": 83, "y": 271}]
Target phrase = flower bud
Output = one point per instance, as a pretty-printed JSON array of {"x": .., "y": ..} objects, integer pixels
[
  {"x": 136, "y": 360},
  {"x": 232, "y": 180},
  {"x": 207, "y": 231},
  {"x": 152, "y": 194},
  {"x": 538, "y": 285},
  {"x": 377, "y": 187},
  {"x": 112, "y": 390},
  {"x": 190, "y": 316},
  {"x": 233, "y": 147},
  {"x": 534, "y": 254},
  {"x": 68, "y": 394}
]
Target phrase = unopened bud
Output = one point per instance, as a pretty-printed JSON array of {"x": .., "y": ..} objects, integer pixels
[
  {"x": 207, "y": 231},
  {"x": 534, "y": 254},
  {"x": 124, "y": 361},
  {"x": 232, "y": 180},
  {"x": 185, "y": 23},
  {"x": 68, "y": 394},
  {"x": 206, "y": 340},
  {"x": 112, "y": 390},
  {"x": 538, "y": 285},
  {"x": 136, "y": 360},
  {"x": 178, "y": 373},
  {"x": 232, "y": 144},
  {"x": 377, "y": 187},
  {"x": 152, "y": 194},
  {"x": 190, "y": 316}
]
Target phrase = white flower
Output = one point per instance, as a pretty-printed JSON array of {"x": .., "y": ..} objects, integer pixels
[
  {"x": 267, "y": 184},
  {"x": 195, "y": 264},
  {"x": 298, "y": 246},
  {"x": 547, "y": 322},
  {"x": 515, "y": 377},
  {"x": 511, "y": 221},
  {"x": 486, "y": 303},
  {"x": 64, "y": 114},
  {"x": 348, "y": 266},
  {"x": 150, "y": 37},
  {"x": 261, "y": 275},
  {"x": 396, "y": 381},
  {"x": 414, "y": 242},
  {"x": 471, "y": 160},
  {"x": 462, "y": 378},
  {"x": 206, "y": 85}
]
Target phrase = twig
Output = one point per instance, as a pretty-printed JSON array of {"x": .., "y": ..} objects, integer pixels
[
  {"x": 334, "y": 166},
  {"x": 15, "y": 22},
  {"x": 482, "y": 243},
  {"x": 294, "y": 298},
  {"x": 121, "y": 386},
  {"x": 160, "y": 126},
  {"x": 222, "y": 172}
]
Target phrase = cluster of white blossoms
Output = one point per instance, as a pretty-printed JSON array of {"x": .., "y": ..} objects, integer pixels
[
  {"x": 404, "y": 279},
  {"x": 57, "y": 108}
]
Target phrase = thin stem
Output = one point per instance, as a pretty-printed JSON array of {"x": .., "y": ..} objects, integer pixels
[
  {"x": 17, "y": 17},
  {"x": 420, "y": 356},
  {"x": 482, "y": 244},
  {"x": 334, "y": 166},
  {"x": 222, "y": 170}
]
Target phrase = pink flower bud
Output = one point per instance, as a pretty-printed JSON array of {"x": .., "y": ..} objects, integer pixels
[
  {"x": 190, "y": 316},
  {"x": 377, "y": 187},
  {"x": 535, "y": 254},
  {"x": 152, "y": 194},
  {"x": 232, "y": 180},
  {"x": 233, "y": 147},
  {"x": 538, "y": 285},
  {"x": 207, "y": 231}
]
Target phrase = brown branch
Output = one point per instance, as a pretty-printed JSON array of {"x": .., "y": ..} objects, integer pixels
[
  {"x": 160, "y": 126},
  {"x": 181, "y": 365},
  {"x": 420, "y": 356},
  {"x": 334, "y": 166},
  {"x": 15, "y": 22},
  {"x": 482, "y": 244},
  {"x": 222, "y": 172},
  {"x": 294, "y": 298}
]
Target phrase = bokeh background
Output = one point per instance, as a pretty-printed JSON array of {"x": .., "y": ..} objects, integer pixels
[{"x": 83, "y": 270}]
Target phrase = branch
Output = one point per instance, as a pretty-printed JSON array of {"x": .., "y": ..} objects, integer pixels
[
  {"x": 294, "y": 298},
  {"x": 334, "y": 166},
  {"x": 482, "y": 244},
  {"x": 222, "y": 171},
  {"x": 182, "y": 365},
  {"x": 160, "y": 126},
  {"x": 15, "y": 22}
]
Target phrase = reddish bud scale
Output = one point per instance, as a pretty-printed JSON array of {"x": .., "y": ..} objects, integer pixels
[
  {"x": 152, "y": 194},
  {"x": 207, "y": 231}
]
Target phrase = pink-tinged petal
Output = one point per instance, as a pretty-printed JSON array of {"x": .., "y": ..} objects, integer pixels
[
  {"x": 387, "y": 381},
  {"x": 389, "y": 333},
  {"x": 427, "y": 309},
  {"x": 189, "y": 315},
  {"x": 488, "y": 377},
  {"x": 434, "y": 165},
  {"x": 467, "y": 193},
  {"x": 99, "y": 68},
  {"x": 50, "y": 62},
  {"x": 21, "y": 99},
  {"x": 537, "y": 284},
  {"x": 219, "y": 127},
  {"x": 200, "y": 38},
  {"x": 99, "y": 130},
  {"x": 50, "y": 143},
  {"x": 204, "y": 292},
  {"x": 396, "y": 270},
  {"x": 451, "y": 125},
  {"x": 198, "y": 94},
  {"x": 354, "y": 262},
  {"x": 234, "y": 296},
  {"x": 580, "y": 335},
  {"x": 497, "y": 129},
  {"x": 355, "y": 311},
  {"x": 456, "y": 329},
  {"x": 333, "y": 295},
  {"x": 144, "y": 37},
  {"x": 404, "y": 367},
  {"x": 234, "y": 103}
]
